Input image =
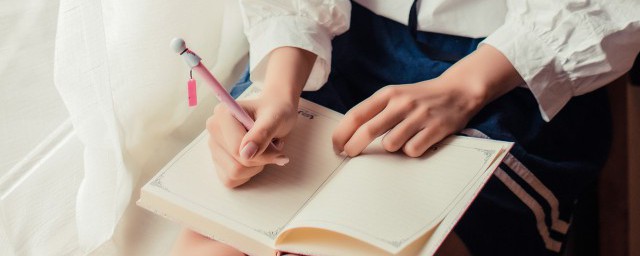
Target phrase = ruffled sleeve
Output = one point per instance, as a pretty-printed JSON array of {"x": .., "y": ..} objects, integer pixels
[{"x": 567, "y": 48}]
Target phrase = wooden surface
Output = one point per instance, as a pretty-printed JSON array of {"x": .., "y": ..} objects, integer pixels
[
  {"x": 633, "y": 103},
  {"x": 619, "y": 184},
  {"x": 612, "y": 188}
]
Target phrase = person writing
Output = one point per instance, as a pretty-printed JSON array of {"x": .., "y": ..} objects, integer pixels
[{"x": 417, "y": 71}]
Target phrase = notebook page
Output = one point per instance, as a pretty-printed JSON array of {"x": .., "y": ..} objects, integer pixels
[
  {"x": 389, "y": 200},
  {"x": 262, "y": 207},
  {"x": 444, "y": 228}
]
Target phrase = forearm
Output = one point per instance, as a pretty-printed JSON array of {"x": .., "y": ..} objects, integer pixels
[
  {"x": 287, "y": 72},
  {"x": 486, "y": 73}
]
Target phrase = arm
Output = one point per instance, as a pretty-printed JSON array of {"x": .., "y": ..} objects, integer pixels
[
  {"x": 567, "y": 48},
  {"x": 287, "y": 73},
  {"x": 305, "y": 24},
  {"x": 421, "y": 114},
  {"x": 559, "y": 49},
  {"x": 275, "y": 111},
  {"x": 290, "y": 49}
]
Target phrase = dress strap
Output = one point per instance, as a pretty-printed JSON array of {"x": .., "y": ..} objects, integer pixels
[{"x": 413, "y": 19}]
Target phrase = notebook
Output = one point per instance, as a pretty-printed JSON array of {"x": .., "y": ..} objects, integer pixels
[{"x": 320, "y": 203}]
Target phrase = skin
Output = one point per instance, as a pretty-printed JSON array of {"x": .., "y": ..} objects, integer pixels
[
  {"x": 413, "y": 116},
  {"x": 240, "y": 154},
  {"x": 190, "y": 243}
]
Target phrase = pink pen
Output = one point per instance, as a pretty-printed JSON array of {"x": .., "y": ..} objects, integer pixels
[{"x": 195, "y": 63}]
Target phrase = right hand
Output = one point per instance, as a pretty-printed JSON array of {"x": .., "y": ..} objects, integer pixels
[{"x": 238, "y": 155}]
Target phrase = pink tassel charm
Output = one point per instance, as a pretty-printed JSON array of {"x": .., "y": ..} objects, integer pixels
[{"x": 192, "y": 93}]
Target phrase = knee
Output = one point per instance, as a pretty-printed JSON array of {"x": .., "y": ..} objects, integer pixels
[
  {"x": 453, "y": 246},
  {"x": 193, "y": 244}
]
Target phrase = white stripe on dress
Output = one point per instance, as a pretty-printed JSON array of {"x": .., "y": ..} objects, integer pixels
[
  {"x": 535, "y": 207},
  {"x": 557, "y": 224}
]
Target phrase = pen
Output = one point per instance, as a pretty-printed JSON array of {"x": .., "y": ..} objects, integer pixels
[{"x": 195, "y": 63}]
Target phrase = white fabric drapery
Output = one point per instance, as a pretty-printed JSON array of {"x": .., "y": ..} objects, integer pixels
[{"x": 125, "y": 90}]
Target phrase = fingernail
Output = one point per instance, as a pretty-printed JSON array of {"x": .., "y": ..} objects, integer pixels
[
  {"x": 281, "y": 160},
  {"x": 343, "y": 154},
  {"x": 249, "y": 150}
]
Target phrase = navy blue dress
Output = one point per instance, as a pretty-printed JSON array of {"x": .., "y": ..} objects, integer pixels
[{"x": 526, "y": 207}]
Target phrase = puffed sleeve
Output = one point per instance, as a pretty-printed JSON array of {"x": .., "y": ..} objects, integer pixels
[
  {"x": 567, "y": 48},
  {"x": 305, "y": 24}
]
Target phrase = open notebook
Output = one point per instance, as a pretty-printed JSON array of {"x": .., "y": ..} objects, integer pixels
[{"x": 378, "y": 203}]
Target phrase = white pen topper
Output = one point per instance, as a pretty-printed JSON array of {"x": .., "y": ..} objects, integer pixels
[
  {"x": 192, "y": 59},
  {"x": 180, "y": 47}
]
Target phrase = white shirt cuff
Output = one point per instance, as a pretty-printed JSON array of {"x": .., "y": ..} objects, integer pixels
[
  {"x": 293, "y": 31},
  {"x": 534, "y": 59}
]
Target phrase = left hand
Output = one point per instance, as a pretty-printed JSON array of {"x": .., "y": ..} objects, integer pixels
[{"x": 416, "y": 116}]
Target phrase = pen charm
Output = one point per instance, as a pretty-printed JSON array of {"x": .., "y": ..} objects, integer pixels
[{"x": 191, "y": 91}]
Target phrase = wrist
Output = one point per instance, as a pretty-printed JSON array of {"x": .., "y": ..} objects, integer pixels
[
  {"x": 287, "y": 72},
  {"x": 282, "y": 93},
  {"x": 484, "y": 75},
  {"x": 470, "y": 95}
]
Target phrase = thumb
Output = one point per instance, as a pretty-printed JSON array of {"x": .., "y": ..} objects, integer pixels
[{"x": 258, "y": 138}]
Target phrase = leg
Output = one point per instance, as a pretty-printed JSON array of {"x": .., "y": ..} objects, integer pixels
[
  {"x": 193, "y": 244},
  {"x": 453, "y": 246}
]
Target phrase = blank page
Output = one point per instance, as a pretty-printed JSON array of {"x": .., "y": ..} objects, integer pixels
[
  {"x": 262, "y": 207},
  {"x": 389, "y": 200}
]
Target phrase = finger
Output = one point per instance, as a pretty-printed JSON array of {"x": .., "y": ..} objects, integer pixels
[
  {"x": 269, "y": 156},
  {"x": 419, "y": 143},
  {"x": 219, "y": 165},
  {"x": 369, "y": 131},
  {"x": 259, "y": 136},
  {"x": 233, "y": 169},
  {"x": 226, "y": 130},
  {"x": 279, "y": 143},
  {"x": 401, "y": 133},
  {"x": 357, "y": 116},
  {"x": 222, "y": 177},
  {"x": 232, "y": 132}
]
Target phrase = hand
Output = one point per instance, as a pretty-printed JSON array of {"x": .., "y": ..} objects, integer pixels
[
  {"x": 416, "y": 116},
  {"x": 239, "y": 155}
]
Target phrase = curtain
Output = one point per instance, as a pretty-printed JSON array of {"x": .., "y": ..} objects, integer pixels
[{"x": 125, "y": 91}]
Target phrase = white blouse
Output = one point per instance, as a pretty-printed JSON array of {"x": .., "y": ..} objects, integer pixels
[{"x": 560, "y": 48}]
